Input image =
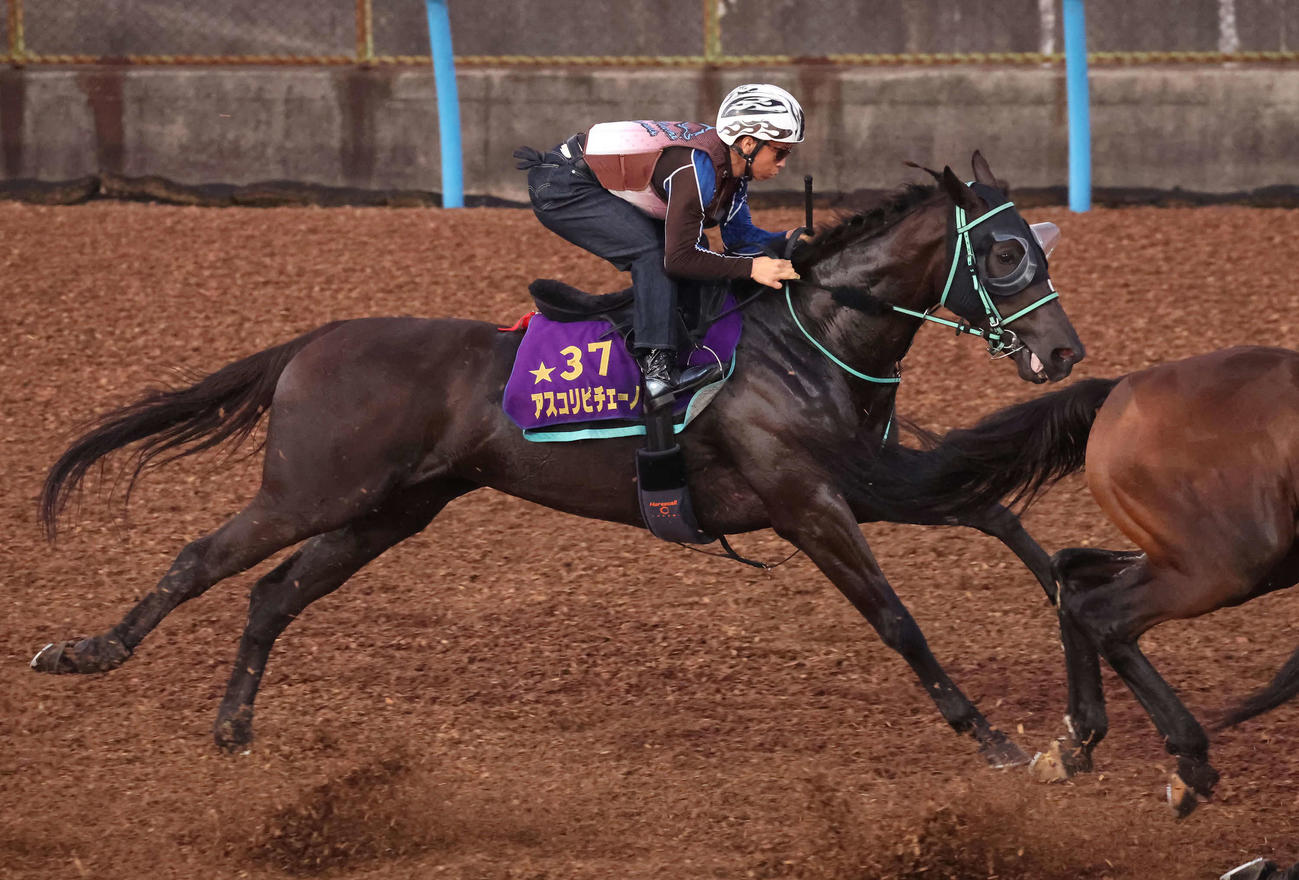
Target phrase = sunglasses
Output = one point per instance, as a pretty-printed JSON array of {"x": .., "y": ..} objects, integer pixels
[{"x": 780, "y": 152}]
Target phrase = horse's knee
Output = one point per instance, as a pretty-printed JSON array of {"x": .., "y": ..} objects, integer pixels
[{"x": 1090, "y": 583}]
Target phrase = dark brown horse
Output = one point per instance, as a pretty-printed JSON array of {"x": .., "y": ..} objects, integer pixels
[
  {"x": 376, "y": 424},
  {"x": 1197, "y": 462}
]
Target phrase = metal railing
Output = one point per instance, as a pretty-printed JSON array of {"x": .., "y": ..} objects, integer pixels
[{"x": 353, "y": 36}]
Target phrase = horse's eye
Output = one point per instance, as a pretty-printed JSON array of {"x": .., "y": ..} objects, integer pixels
[{"x": 1006, "y": 257}]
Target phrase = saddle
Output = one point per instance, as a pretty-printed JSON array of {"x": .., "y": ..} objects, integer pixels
[
  {"x": 563, "y": 302},
  {"x": 699, "y": 304}
]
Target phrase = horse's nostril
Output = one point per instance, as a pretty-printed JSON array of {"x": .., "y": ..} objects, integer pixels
[{"x": 1064, "y": 355}]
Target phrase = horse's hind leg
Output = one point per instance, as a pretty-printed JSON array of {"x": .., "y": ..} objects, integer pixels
[
  {"x": 318, "y": 568},
  {"x": 998, "y": 522},
  {"x": 1076, "y": 570},
  {"x": 1114, "y": 614},
  {"x": 260, "y": 529}
]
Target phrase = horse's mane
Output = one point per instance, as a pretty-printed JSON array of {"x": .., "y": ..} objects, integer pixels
[{"x": 853, "y": 223}]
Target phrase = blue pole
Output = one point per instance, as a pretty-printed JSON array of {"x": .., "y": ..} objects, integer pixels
[
  {"x": 1080, "y": 124},
  {"x": 444, "y": 78}
]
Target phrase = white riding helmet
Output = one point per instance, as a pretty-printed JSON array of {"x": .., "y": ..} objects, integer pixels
[{"x": 767, "y": 112}]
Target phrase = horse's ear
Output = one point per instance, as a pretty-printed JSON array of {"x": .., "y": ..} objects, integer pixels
[
  {"x": 983, "y": 172},
  {"x": 958, "y": 192}
]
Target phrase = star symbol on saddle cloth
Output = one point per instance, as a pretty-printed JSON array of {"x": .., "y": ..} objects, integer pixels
[{"x": 542, "y": 372}]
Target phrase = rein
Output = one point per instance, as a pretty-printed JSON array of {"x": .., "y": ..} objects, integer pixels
[{"x": 789, "y": 301}]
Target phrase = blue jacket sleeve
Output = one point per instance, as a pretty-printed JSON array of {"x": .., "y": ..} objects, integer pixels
[{"x": 740, "y": 236}]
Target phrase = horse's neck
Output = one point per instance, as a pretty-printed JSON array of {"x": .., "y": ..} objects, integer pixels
[
  {"x": 899, "y": 266},
  {"x": 775, "y": 348}
]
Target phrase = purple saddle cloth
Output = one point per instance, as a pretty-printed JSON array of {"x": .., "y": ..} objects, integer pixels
[{"x": 579, "y": 373}]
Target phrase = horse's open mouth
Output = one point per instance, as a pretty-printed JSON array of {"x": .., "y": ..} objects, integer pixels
[{"x": 1031, "y": 368}]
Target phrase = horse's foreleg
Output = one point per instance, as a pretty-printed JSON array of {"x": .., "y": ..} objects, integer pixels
[
  {"x": 244, "y": 540},
  {"x": 825, "y": 529},
  {"x": 318, "y": 568},
  {"x": 1086, "y": 720}
]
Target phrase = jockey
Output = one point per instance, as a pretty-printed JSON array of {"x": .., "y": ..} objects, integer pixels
[{"x": 640, "y": 195}]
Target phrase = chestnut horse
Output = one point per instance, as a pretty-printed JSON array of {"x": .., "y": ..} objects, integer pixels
[
  {"x": 376, "y": 424},
  {"x": 1197, "y": 462}
]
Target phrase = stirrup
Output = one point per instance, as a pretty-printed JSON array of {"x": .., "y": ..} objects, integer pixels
[
  {"x": 661, "y": 484},
  {"x": 658, "y": 395}
]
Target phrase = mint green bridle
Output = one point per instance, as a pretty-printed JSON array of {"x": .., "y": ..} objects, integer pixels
[{"x": 1000, "y": 339}]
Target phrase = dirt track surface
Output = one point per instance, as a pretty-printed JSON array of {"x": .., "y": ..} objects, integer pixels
[{"x": 516, "y": 693}]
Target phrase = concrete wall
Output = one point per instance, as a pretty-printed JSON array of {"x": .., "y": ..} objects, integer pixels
[{"x": 1209, "y": 129}]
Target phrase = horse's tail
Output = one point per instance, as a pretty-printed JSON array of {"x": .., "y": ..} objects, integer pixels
[
  {"x": 1284, "y": 686},
  {"x": 1011, "y": 455},
  {"x": 225, "y": 405}
]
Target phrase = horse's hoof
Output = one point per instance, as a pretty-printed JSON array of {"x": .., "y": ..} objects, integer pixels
[
  {"x": 1060, "y": 762},
  {"x": 40, "y": 661},
  {"x": 234, "y": 733},
  {"x": 98, "y": 654},
  {"x": 1182, "y": 799},
  {"x": 55, "y": 658},
  {"x": 1001, "y": 752},
  {"x": 1077, "y": 759},
  {"x": 1049, "y": 766},
  {"x": 1257, "y": 869}
]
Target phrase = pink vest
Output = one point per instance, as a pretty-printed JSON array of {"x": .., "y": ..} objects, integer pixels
[{"x": 622, "y": 156}]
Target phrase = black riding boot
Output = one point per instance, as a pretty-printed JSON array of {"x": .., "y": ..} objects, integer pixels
[{"x": 658, "y": 367}]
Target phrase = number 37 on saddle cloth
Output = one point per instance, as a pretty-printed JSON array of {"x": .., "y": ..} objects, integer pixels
[{"x": 575, "y": 380}]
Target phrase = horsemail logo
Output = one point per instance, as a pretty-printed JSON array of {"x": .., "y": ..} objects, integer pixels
[
  {"x": 664, "y": 508},
  {"x": 675, "y": 131}
]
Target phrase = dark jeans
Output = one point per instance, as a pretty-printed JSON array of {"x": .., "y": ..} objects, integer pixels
[{"x": 569, "y": 201}]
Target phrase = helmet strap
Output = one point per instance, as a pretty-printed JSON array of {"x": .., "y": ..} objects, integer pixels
[{"x": 748, "y": 157}]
